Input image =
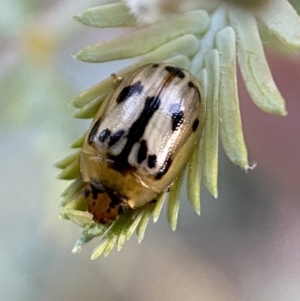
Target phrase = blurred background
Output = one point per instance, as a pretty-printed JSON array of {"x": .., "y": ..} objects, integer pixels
[{"x": 244, "y": 246}]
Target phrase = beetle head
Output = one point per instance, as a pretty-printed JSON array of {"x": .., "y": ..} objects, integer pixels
[{"x": 104, "y": 204}]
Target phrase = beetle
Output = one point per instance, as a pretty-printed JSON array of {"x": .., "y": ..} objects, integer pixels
[{"x": 140, "y": 139}]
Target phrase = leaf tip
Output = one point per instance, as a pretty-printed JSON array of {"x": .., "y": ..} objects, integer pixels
[
  {"x": 174, "y": 225},
  {"x": 198, "y": 210},
  {"x": 77, "y": 17}
]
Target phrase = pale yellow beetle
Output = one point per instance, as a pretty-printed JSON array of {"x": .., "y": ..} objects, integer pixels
[{"x": 141, "y": 139}]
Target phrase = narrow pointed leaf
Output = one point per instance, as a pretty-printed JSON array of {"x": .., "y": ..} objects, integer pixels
[
  {"x": 187, "y": 44},
  {"x": 253, "y": 64},
  {"x": 202, "y": 78},
  {"x": 180, "y": 61},
  {"x": 146, "y": 39},
  {"x": 230, "y": 123},
  {"x": 194, "y": 180},
  {"x": 77, "y": 203},
  {"x": 141, "y": 228},
  {"x": 218, "y": 20},
  {"x": 90, "y": 109},
  {"x": 110, "y": 245},
  {"x": 99, "y": 249},
  {"x": 133, "y": 226},
  {"x": 105, "y": 16},
  {"x": 174, "y": 201},
  {"x": 210, "y": 134},
  {"x": 67, "y": 160},
  {"x": 122, "y": 236},
  {"x": 73, "y": 188},
  {"x": 283, "y": 21},
  {"x": 71, "y": 171},
  {"x": 78, "y": 217},
  {"x": 158, "y": 206},
  {"x": 94, "y": 92},
  {"x": 79, "y": 142}
]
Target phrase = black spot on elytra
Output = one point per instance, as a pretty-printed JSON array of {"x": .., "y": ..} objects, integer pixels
[
  {"x": 191, "y": 84},
  {"x": 104, "y": 135},
  {"x": 121, "y": 210},
  {"x": 176, "y": 71},
  {"x": 136, "y": 132},
  {"x": 155, "y": 65},
  {"x": 164, "y": 168},
  {"x": 142, "y": 153},
  {"x": 195, "y": 125},
  {"x": 94, "y": 192},
  {"x": 108, "y": 210},
  {"x": 152, "y": 161},
  {"x": 128, "y": 91},
  {"x": 93, "y": 132},
  {"x": 115, "y": 199},
  {"x": 112, "y": 205},
  {"x": 176, "y": 115},
  {"x": 115, "y": 137}
]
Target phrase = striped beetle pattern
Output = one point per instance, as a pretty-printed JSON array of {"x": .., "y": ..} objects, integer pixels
[{"x": 140, "y": 139}]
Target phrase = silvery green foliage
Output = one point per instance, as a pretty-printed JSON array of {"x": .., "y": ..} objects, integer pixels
[{"x": 205, "y": 37}]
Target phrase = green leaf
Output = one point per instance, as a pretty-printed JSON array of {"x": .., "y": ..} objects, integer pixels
[
  {"x": 187, "y": 44},
  {"x": 137, "y": 218},
  {"x": 180, "y": 61},
  {"x": 79, "y": 142},
  {"x": 146, "y": 39},
  {"x": 174, "y": 201},
  {"x": 110, "y": 245},
  {"x": 95, "y": 92},
  {"x": 141, "y": 228},
  {"x": 99, "y": 249},
  {"x": 76, "y": 203},
  {"x": 72, "y": 190},
  {"x": 71, "y": 171},
  {"x": 230, "y": 123},
  {"x": 194, "y": 179},
  {"x": 158, "y": 206},
  {"x": 79, "y": 217},
  {"x": 105, "y": 16},
  {"x": 253, "y": 64},
  {"x": 210, "y": 134},
  {"x": 90, "y": 109},
  {"x": 62, "y": 164},
  {"x": 283, "y": 21},
  {"x": 122, "y": 236}
]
